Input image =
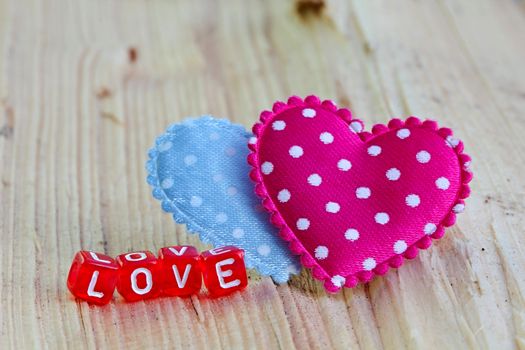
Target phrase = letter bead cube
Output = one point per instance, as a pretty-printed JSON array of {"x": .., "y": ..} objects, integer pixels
[
  {"x": 92, "y": 277},
  {"x": 181, "y": 271},
  {"x": 224, "y": 271},
  {"x": 139, "y": 276}
]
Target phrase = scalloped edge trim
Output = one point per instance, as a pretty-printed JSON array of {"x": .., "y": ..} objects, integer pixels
[
  {"x": 180, "y": 217},
  {"x": 356, "y": 126}
]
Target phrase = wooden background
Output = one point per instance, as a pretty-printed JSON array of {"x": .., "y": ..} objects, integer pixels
[{"x": 85, "y": 86}]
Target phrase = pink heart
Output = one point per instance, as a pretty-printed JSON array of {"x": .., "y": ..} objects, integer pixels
[{"x": 354, "y": 203}]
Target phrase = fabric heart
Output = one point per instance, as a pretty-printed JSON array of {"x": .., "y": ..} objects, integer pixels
[
  {"x": 198, "y": 171},
  {"x": 354, "y": 203}
]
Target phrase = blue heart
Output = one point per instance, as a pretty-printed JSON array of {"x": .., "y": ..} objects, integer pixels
[{"x": 198, "y": 170}]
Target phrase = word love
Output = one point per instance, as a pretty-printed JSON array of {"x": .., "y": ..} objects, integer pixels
[{"x": 178, "y": 271}]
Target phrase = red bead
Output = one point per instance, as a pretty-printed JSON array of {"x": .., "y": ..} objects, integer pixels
[
  {"x": 139, "y": 276},
  {"x": 181, "y": 272},
  {"x": 223, "y": 270},
  {"x": 92, "y": 277}
]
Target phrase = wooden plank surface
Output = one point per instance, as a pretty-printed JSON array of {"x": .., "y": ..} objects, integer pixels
[{"x": 85, "y": 86}]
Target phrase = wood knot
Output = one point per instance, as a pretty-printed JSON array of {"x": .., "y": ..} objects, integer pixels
[
  {"x": 307, "y": 8},
  {"x": 103, "y": 93},
  {"x": 132, "y": 54}
]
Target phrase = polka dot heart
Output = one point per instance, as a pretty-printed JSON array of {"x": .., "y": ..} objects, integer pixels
[
  {"x": 353, "y": 203},
  {"x": 198, "y": 170}
]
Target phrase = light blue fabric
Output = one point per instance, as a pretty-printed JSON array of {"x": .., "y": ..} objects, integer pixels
[{"x": 198, "y": 170}]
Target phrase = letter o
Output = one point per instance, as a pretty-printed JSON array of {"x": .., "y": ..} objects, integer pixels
[
  {"x": 149, "y": 281},
  {"x": 129, "y": 256}
]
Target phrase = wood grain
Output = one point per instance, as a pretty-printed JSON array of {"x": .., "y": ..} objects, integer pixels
[{"x": 85, "y": 86}]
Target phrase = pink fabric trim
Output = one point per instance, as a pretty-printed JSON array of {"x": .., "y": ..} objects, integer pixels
[{"x": 287, "y": 233}]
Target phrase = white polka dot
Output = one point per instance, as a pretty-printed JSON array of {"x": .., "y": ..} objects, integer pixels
[
  {"x": 344, "y": 165},
  {"x": 459, "y": 208},
  {"x": 167, "y": 183},
  {"x": 315, "y": 180},
  {"x": 412, "y": 200},
  {"x": 190, "y": 159},
  {"x": 267, "y": 168},
  {"x": 352, "y": 234},
  {"x": 165, "y": 146},
  {"x": 238, "y": 233},
  {"x": 252, "y": 140},
  {"x": 195, "y": 201},
  {"x": 423, "y": 157},
  {"x": 430, "y": 228},
  {"x": 374, "y": 150},
  {"x": 264, "y": 249},
  {"x": 332, "y": 207},
  {"x": 338, "y": 281},
  {"x": 442, "y": 183},
  {"x": 403, "y": 133},
  {"x": 231, "y": 191},
  {"x": 214, "y": 136},
  {"x": 382, "y": 218},
  {"x": 278, "y": 125},
  {"x": 356, "y": 126},
  {"x": 296, "y": 151},
  {"x": 326, "y": 138},
  {"x": 230, "y": 151},
  {"x": 309, "y": 113},
  {"x": 217, "y": 178},
  {"x": 363, "y": 192},
  {"x": 321, "y": 252},
  {"x": 303, "y": 224},
  {"x": 452, "y": 141},
  {"x": 400, "y": 247},
  {"x": 369, "y": 264},
  {"x": 284, "y": 196},
  {"x": 221, "y": 218},
  {"x": 393, "y": 174}
]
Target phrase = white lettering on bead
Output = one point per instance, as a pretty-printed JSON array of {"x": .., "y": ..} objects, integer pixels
[
  {"x": 178, "y": 252},
  {"x": 181, "y": 282},
  {"x": 95, "y": 257},
  {"x": 149, "y": 281},
  {"x": 91, "y": 288},
  {"x": 225, "y": 273},
  {"x": 218, "y": 251},
  {"x": 141, "y": 256}
]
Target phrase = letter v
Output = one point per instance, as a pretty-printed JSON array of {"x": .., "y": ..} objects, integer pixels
[
  {"x": 181, "y": 283},
  {"x": 178, "y": 252}
]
